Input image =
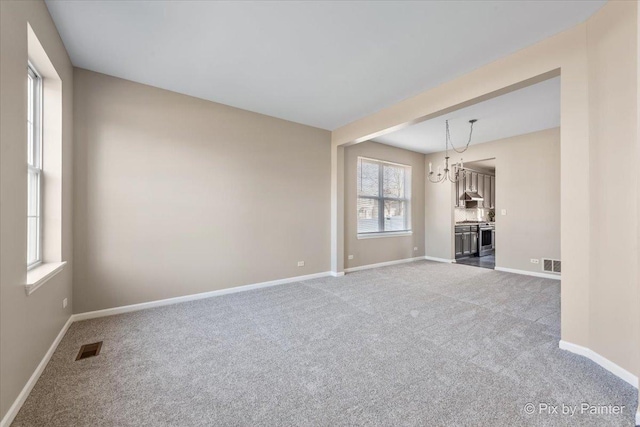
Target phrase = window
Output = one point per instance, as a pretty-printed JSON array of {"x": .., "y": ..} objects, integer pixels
[
  {"x": 34, "y": 172},
  {"x": 44, "y": 166},
  {"x": 384, "y": 197}
]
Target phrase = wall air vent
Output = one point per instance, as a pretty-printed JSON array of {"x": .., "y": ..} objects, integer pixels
[
  {"x": 551, "y": 265},
  {"x": 89, "y": 350}
]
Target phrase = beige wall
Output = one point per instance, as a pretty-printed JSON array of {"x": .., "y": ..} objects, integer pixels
[
  {"x": 527, "y": 186},
  {"x": 598, "y": 64},
  {"x": 28, "y": 324},
  {"x": 613, "y": 92},
  {"x": 175, "y": 195},
  {"x": 636, "y": 176},
  {"x": 372, "y": 251}
]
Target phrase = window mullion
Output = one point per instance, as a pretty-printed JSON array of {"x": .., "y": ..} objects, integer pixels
[
  {"x": 394, "y": 199},
  {"x": 407, "y": 203},
  {"x": 381, "y": 197}
]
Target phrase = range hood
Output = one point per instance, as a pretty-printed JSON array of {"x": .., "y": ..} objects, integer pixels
[{"x": 472, "y": 196}]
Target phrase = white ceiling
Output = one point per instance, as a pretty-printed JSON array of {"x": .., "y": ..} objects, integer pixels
[
  {"x": 321, "y": 63},
  {"x": 531, "y": 109}
]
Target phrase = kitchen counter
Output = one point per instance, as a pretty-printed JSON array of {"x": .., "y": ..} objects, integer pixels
[{"x": 474, "y": 238}]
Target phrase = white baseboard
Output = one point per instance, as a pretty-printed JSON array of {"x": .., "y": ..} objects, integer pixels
[
  {"x": 432, "y": 258},
  {"x": 193, "y": 297},
  {"x": 600, "y": 360},
  {"x": 382, "y": 264},
  {"x": 638, "y": 416},
  {"x": 17, "y": 404},
  {"x": 529, "y": 273},
  {"x": 337, "y": 273}
]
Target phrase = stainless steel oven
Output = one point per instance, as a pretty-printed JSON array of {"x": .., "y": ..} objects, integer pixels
[{"x": 485, "y": 239}]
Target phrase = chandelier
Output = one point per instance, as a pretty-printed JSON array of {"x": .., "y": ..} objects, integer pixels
[{"x": 447, "y": 173}]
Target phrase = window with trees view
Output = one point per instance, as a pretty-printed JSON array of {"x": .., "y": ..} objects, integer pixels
[{"x": 384, "y": 197}]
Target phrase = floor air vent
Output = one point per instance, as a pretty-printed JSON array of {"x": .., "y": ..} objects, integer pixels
[
  {"x": 551, "y": 265},
  {"x": 89, "y": 350}
]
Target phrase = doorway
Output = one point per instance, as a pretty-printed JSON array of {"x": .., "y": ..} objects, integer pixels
[{"x": 474, "y": 214}]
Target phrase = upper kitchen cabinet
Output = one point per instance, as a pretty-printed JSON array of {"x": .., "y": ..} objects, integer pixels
[
  {"x": 477, "y": 178},
  {"x": 467, "y": 180},
  {"x": 475, "y": 182},
  {"x": 486, "y": 191},
  {"x": 460, "y": 188}
]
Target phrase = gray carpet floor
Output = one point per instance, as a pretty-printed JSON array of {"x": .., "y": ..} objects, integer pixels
[{"x": 422, "y": 343}]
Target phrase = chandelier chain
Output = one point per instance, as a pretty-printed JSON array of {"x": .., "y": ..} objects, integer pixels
[{"x": 448, "y": 137}]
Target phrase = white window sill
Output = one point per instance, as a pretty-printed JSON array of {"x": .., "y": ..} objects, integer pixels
[
  {"x": 384, "y": 234},
  {"x": 39, "y": 275}
]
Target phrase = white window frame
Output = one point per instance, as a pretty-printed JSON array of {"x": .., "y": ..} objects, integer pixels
[
  {"x": 34, "y": 161},
  {"x": 381, "y": 198}
]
